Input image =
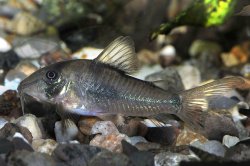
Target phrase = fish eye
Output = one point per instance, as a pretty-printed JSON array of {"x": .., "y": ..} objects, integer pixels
[{"x": 51, "y": 75}]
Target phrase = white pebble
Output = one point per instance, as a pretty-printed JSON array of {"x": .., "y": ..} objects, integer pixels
[
  {"x": 31, "y": 123},
  {"x": 230, "y": 141}
]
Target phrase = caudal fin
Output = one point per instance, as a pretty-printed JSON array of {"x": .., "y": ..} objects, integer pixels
[{"x": 195, "y": 102}]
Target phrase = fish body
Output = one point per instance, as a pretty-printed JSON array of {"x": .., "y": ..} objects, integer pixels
[
  {"x": 88, "y": 88},
  {"x": 103, "y": 86}
]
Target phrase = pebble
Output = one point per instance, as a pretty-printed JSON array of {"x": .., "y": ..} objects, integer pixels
[
  {"x": 85, "y": 124},
  {"x": 167, "y": 55},
  {"x": 67, "y": 134},
  {"x": 169, "y": 159},
  {"x": 32, "y": 48},
  {"x": 239, "y": 153},
  {"x": 200, "y": 47},
  {"x": 138, "y": 158},
  {"x": 187, "y": 137},
  {"x": 20, "y": 136},
  {"x": 190, "y": 76},
  {"x": 147, "y": 70},
  {"x": 3, "y": 89},
  {"x": 10, "y": 129},
  {"x": 44, "y": 145},
  {"x": 167, "y": 79},
  {"x": 27, "y": 158},
  {"x": 104, "y": 128},
  {"x": 147, "y": 57},
  {"x": 162, "y": 135},
  {"x": 142, "y": 146},
  {"x": 21, "y": 144},
  {"x": 8, "y": 60},
  {"x": 13, "y": 79},
  {"x": 133, "y": 127},
  {"x": 108, "y": 158},
  {"x": 75, "y": 154},
  {"x": 230, "y": 141},
  {"x": 5, "y": 46},
  {"x": 10, "y": 104},
  {"x": 31, "y": 123},
  {"x": 136, "y": 139},
  {"x": 2, "y": 122},
  {"x": 223, "y": 124},
  {"x": 213, "y": 147},
  {"x": 26, "y": 67},
  {"x": 111, "y": 142},
  {"x": 25, "y": 24},
  {"x": 86, "y": 53}
]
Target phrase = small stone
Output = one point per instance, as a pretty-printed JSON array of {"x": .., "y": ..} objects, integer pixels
[
  {"x": 239, "y": 54},
  {"x": 86, "y": 53},
  {"x": 2, "y": 122},
  {"x": 245, "y": 71},
  {"x": 167, "y": 55},
  {"x": 13, "y": 79},
  {"x": 108, "y": 158},
  {"x": 213, "y": 147},
  {"x": 217, "y": 125},
  {"x": 33, "y": 48},
  {"x": 2, "y": 162},
  {"x": 147, "y": 57},
  {"x": 6, "y": 146},
  {"x": 10, "y": 129},
  {"x": 134, "y": 127},
  {"x": 167, "y": 79},
  {"x": 5, "y": 46},
  {"x": 136, "y": 139},
  {"x": 198, "y": 48},
  {"x": 229, "y": 59},
  {"x": 20, "y": 136},
  {"x": 230, "y": 141},
  {"x": 147, "y": 146},
  {"x": 147, "y": 70},
  {"x": 186, "y": 137},
  {"x": 26, "y": 67},
  {"x": 8, "y": 60},
  {"x": 190, "y": 76},
  {"x": 75, "y": 154},
  {"x": 31, "y": 123},
  {"x": 21, "y": 144},
  {"x": 44, "y": 145},
  {"x": 85, "y": 124},
  {"x": 111, "y": 142},
  {"x": 67, "y": 134},
  {"x": 169, "y": 159},
  {"x": 137, "y": 157},
  {"x": 25, "y": 23},
  {"x": 10, "y": 104},
  {"x": 239, "y": 153},
  {"x": 24, "y": 157},
  {"x": 163, "y": 135},
  {"x": 104, "y": 128}
]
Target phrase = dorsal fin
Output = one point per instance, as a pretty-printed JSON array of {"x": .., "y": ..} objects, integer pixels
[{"x": 120, "y": 54}]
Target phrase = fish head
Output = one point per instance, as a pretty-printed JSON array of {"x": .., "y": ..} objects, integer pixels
[{"x": 45, "y": 84}]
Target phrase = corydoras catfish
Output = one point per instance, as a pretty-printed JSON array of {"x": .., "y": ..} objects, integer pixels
[{"x": 103, "y": 86}]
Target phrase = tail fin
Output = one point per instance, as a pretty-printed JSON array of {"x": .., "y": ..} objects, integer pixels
[{"x": 195, "y": 102}]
